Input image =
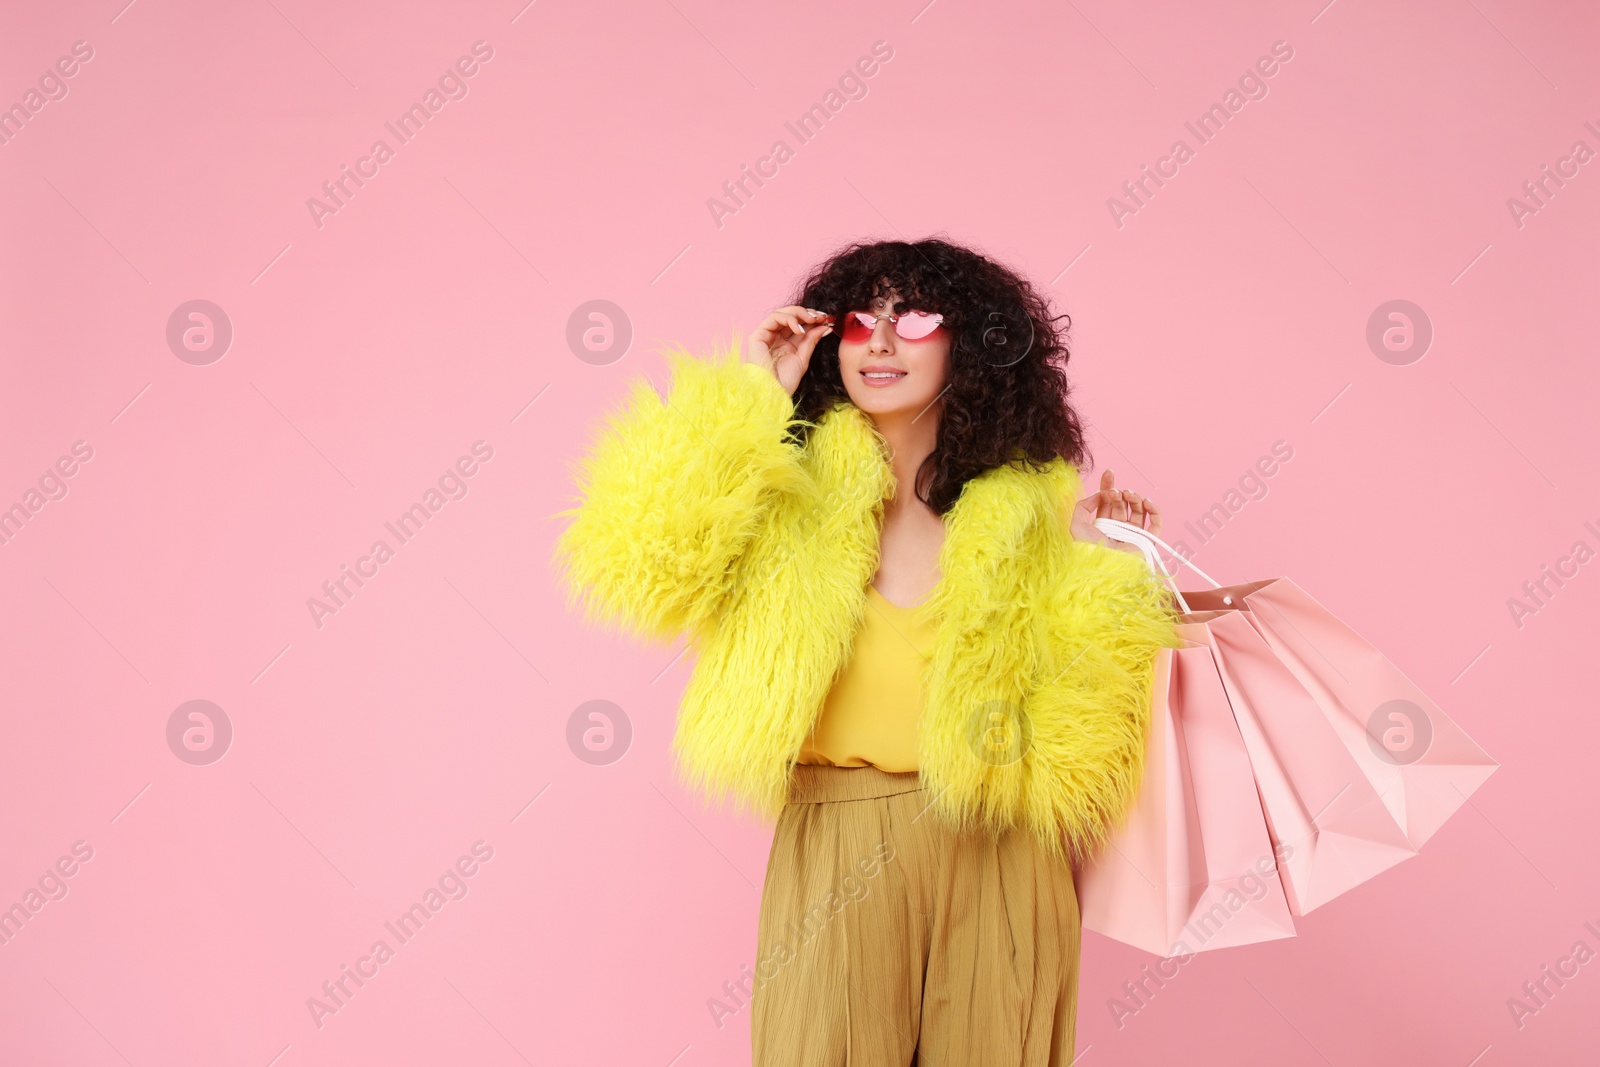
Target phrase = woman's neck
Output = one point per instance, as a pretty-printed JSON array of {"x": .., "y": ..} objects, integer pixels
[{"x": 911, "y": 438}]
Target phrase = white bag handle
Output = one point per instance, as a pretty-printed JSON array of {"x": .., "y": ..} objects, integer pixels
[{"x": 1118, "y": 530}]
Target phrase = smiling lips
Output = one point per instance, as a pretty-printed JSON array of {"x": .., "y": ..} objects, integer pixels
[{"x": 877, "y": 375}]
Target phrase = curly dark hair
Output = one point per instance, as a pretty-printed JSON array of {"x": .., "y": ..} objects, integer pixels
[{"x": 1007, "y": 395}]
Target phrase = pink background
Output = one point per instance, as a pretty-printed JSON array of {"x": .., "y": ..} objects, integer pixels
[{"x": 431, "y": 312}]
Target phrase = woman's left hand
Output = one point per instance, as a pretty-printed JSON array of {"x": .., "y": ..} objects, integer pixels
[{"x": 1111, "y": 503}]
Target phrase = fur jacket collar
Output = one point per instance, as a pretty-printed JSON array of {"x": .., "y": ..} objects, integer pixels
[{"x": 699, "y": 517}]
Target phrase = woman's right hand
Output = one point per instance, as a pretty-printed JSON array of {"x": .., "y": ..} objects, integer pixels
[{"x": 784, "y": 341}]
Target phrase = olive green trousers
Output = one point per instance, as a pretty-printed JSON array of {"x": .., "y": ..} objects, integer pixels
[{"x": 886, "y": 938}]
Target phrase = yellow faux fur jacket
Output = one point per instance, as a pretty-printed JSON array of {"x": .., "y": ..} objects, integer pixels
[{"x": 699, "y": 517}]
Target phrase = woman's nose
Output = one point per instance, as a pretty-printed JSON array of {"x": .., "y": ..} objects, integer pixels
[{"x": 882, "y": 338}]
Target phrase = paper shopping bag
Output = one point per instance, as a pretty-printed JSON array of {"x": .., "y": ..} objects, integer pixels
[
  {"x": 1192, "y": 868},
  {"x": 1318, "y": 801},
  {"x": 1355, "y": 767},
  {"x": 1423, "y": 764}
]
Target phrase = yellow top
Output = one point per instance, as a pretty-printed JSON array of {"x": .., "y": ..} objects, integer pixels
[{"x": 872, "y": 713}]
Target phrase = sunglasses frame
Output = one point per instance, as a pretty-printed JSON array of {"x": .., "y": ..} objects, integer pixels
[{"x": 894, "y": 320}]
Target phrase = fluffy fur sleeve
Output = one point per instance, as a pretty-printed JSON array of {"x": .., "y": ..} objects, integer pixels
[
  {"x": 1118, "y": 617},
  {"x": 671, "y": 494}
]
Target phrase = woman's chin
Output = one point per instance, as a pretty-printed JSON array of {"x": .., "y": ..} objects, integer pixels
[
  {"x": 872, "y": 401},
  {"x": 883, "y": 408}
]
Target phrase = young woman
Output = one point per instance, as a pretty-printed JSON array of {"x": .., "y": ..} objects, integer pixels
[{"x": 915, "y": 651}]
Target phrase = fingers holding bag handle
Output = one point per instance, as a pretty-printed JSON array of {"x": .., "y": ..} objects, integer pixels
[{"x": 1149, "y": 543}]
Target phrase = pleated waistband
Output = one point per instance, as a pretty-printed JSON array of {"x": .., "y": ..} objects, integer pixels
[{"x": 813, "y": 783}]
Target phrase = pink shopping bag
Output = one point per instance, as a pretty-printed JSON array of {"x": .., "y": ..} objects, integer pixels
[
  {"x": 1423, "y": 765},
  {"x": 1192, "y": 868},
  {"x": 1355, "y": 767},
  {"x": 1317, "y": 799}
]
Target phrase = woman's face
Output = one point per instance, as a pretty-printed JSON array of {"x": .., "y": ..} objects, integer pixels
[{"x": 888, "y": 375}]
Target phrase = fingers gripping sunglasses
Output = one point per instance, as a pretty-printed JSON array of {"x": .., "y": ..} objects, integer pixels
[{"x": 908, "y": 326}]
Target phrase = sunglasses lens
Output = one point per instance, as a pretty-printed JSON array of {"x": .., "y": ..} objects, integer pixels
[
  {"x": 857, "y": 326},
  {"x": 915, "y": 325}
]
